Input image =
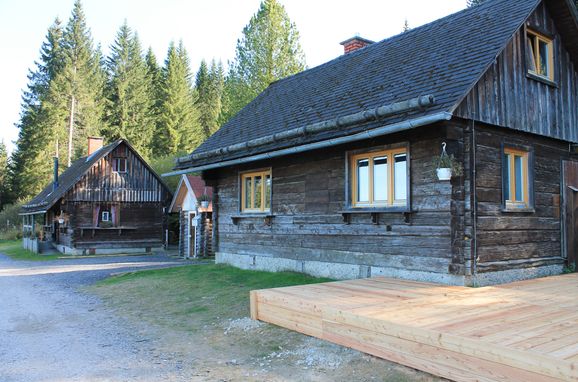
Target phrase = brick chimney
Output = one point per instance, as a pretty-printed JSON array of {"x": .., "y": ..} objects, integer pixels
[
  {"x": 354, "y": 43},
  {"x": 94, "y": 144}
]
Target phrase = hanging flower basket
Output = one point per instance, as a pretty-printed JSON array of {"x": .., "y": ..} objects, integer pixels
[
  {"x": 444, "y": 173},
  {"x": 205, "y": 204},
  {"x": 447, "y": 166}
]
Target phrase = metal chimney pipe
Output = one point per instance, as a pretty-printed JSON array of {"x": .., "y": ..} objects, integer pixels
[{"x": 55, "y": 181}]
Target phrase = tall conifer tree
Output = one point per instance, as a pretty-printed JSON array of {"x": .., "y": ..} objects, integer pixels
[
  {"x": 130, "y": 93},
  {"x": 209, "y": 84},
  {"x": 179, "y": 129},
  {"x": 31, "y": 161},
  {"x": 268, "y": 51},
  {"x": 78, "y": 89}
]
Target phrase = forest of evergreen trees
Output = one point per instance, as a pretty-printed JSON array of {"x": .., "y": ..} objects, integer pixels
[{"x": 74, "y": 91}]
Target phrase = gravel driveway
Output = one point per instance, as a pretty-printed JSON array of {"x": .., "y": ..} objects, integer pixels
[{"x": 51, "y": 331}]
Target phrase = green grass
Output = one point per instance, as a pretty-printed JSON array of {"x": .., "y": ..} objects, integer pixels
[
  {"x": 192, "y": 297},
  {"x": 13, "y": 248}
]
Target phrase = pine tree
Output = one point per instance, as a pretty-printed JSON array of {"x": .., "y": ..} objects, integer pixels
[
  {"x": 130, "y": 107},
  {"x": 179, "y": 129},
  {"x": 268, "y": 51},
  {"x": 31, "y": 162},
  {"x": 78, "y": 89},
  {"x": 209, "y": 84}
]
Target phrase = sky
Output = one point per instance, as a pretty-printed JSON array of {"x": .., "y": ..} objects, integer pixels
[{"x": 208, "y": 28}]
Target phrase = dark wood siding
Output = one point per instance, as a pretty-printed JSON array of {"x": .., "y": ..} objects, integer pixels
[
  {"x": 141, "y": 226},
  {"x": 509, "y": 240},
  {"x": 309, "y": 195},
  {"x": 506, "y": 96},
  {"x": 101, "y": 183}
]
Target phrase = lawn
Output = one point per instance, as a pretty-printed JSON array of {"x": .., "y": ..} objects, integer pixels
[
  {"x": 195, "y": 296},
  {"x": 199, "y": 313},
  {"x": 13, "y": 248}
]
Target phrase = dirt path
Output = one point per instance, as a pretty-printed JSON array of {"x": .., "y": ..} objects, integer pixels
[{"x": 51, "y": 332}]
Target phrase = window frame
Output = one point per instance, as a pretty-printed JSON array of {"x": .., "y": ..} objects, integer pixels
[
  {"x": 116, "y": 162},
  {"x": 108, "y": 216},
  {"x": 253, "y": 174},
  {"x": 351, "y": 184},
  {"x": 527, "y": 204},
  {"x": 549, "y": 41}
]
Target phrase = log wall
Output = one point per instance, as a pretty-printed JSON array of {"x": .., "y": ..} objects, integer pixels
[
  {"x": 511, "y": 240},
  {"x": 141, "y": 226},
  {"x": 308, "y": 198}
]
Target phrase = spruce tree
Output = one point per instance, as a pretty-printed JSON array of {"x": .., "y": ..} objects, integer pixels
[
  {"x": 78, "y": 89},
  {"x": 130, "y": 107},
  {"x": 268, "y": 51},
  {"x": 209, "y": 84},
  {"x": 31, "y": 162},
  {"x": 179, "y": 129}
]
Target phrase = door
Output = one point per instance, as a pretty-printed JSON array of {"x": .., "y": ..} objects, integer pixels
[
  {"x": 192, "y": 235},
  {"x": 570, "y": 195}
]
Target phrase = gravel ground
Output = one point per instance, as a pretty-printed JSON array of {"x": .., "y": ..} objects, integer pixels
[{"x": 50, "y": 331}]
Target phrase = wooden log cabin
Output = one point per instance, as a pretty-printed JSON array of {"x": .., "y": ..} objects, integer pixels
[
  {"x": 333, "y": 171},
  {"x": 110, "y": 201}
]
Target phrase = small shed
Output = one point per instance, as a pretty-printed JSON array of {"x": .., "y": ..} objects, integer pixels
[{"x": 193, "y": 202}]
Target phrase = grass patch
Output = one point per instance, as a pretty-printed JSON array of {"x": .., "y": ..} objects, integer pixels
[
  {"x": 13, "y": 248},
  {"x": 192, "y": 297}
]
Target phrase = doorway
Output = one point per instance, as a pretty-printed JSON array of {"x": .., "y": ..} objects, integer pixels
[{"x": 192, "y": 235}]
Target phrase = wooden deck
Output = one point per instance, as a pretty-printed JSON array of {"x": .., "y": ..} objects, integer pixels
[{"x": 524, "y": 331}]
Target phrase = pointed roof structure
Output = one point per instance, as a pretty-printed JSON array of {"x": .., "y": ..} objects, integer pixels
[
  {"x": 49, "y": 196},
  {"x": 413, "y": 79}
]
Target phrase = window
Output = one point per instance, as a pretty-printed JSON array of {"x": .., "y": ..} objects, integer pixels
[
  {"x": 119, "y": 164},
  {"x": 516, "y": 182},
  {"x": 256, "y": 191},
  {"x": 105, "y": 216},
  {"x": 379, "y": 179},
  {"x": 540, "y": 55}
]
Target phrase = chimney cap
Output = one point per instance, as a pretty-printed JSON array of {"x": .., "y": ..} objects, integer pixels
[{"x": 356, "y": 38}]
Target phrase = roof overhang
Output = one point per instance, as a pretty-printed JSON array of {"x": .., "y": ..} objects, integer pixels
[
  {"x": 32, "y": 213},
  {"x": 380, "y": 131}
]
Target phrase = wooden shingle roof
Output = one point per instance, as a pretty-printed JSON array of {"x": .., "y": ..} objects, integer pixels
[{"x": 445, "y": 58}]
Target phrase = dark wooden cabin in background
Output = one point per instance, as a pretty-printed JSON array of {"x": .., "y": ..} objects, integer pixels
[{"x": 108, "y": 202}]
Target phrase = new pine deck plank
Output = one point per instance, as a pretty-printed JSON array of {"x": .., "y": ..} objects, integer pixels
[{"x": 524, "y": 331}]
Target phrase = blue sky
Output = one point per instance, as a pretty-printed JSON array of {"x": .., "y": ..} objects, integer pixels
[{"x": 209, "y": 29}]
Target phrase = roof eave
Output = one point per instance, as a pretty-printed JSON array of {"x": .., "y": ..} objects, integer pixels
[{"x": 380, "y": 131}]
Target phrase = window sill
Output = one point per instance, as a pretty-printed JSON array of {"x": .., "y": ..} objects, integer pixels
[
  {"x": 539, "y": 78},
  {"x": 266, "y": 216},
  {"x": 509, "y": 210},
  {"x": 375, "y": 212}
]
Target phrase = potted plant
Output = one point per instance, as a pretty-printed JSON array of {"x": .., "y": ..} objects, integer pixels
[
  {"x": 447, "y": 165},
  {"x": 204, "y": 200}
]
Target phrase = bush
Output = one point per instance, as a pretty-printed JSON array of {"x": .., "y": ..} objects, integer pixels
[
  {"x": 11, "y": 234},
  {"x": 164, "y": 165},
  {"x": 9, "y": 218}
]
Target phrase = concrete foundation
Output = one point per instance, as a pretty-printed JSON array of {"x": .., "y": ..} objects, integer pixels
[
  {"x": 341, "y": 271},
  {"x": 104, "y": 251}
]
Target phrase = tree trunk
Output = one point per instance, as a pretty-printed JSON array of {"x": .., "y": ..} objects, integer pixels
[{"x": 70, "y": 130}]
